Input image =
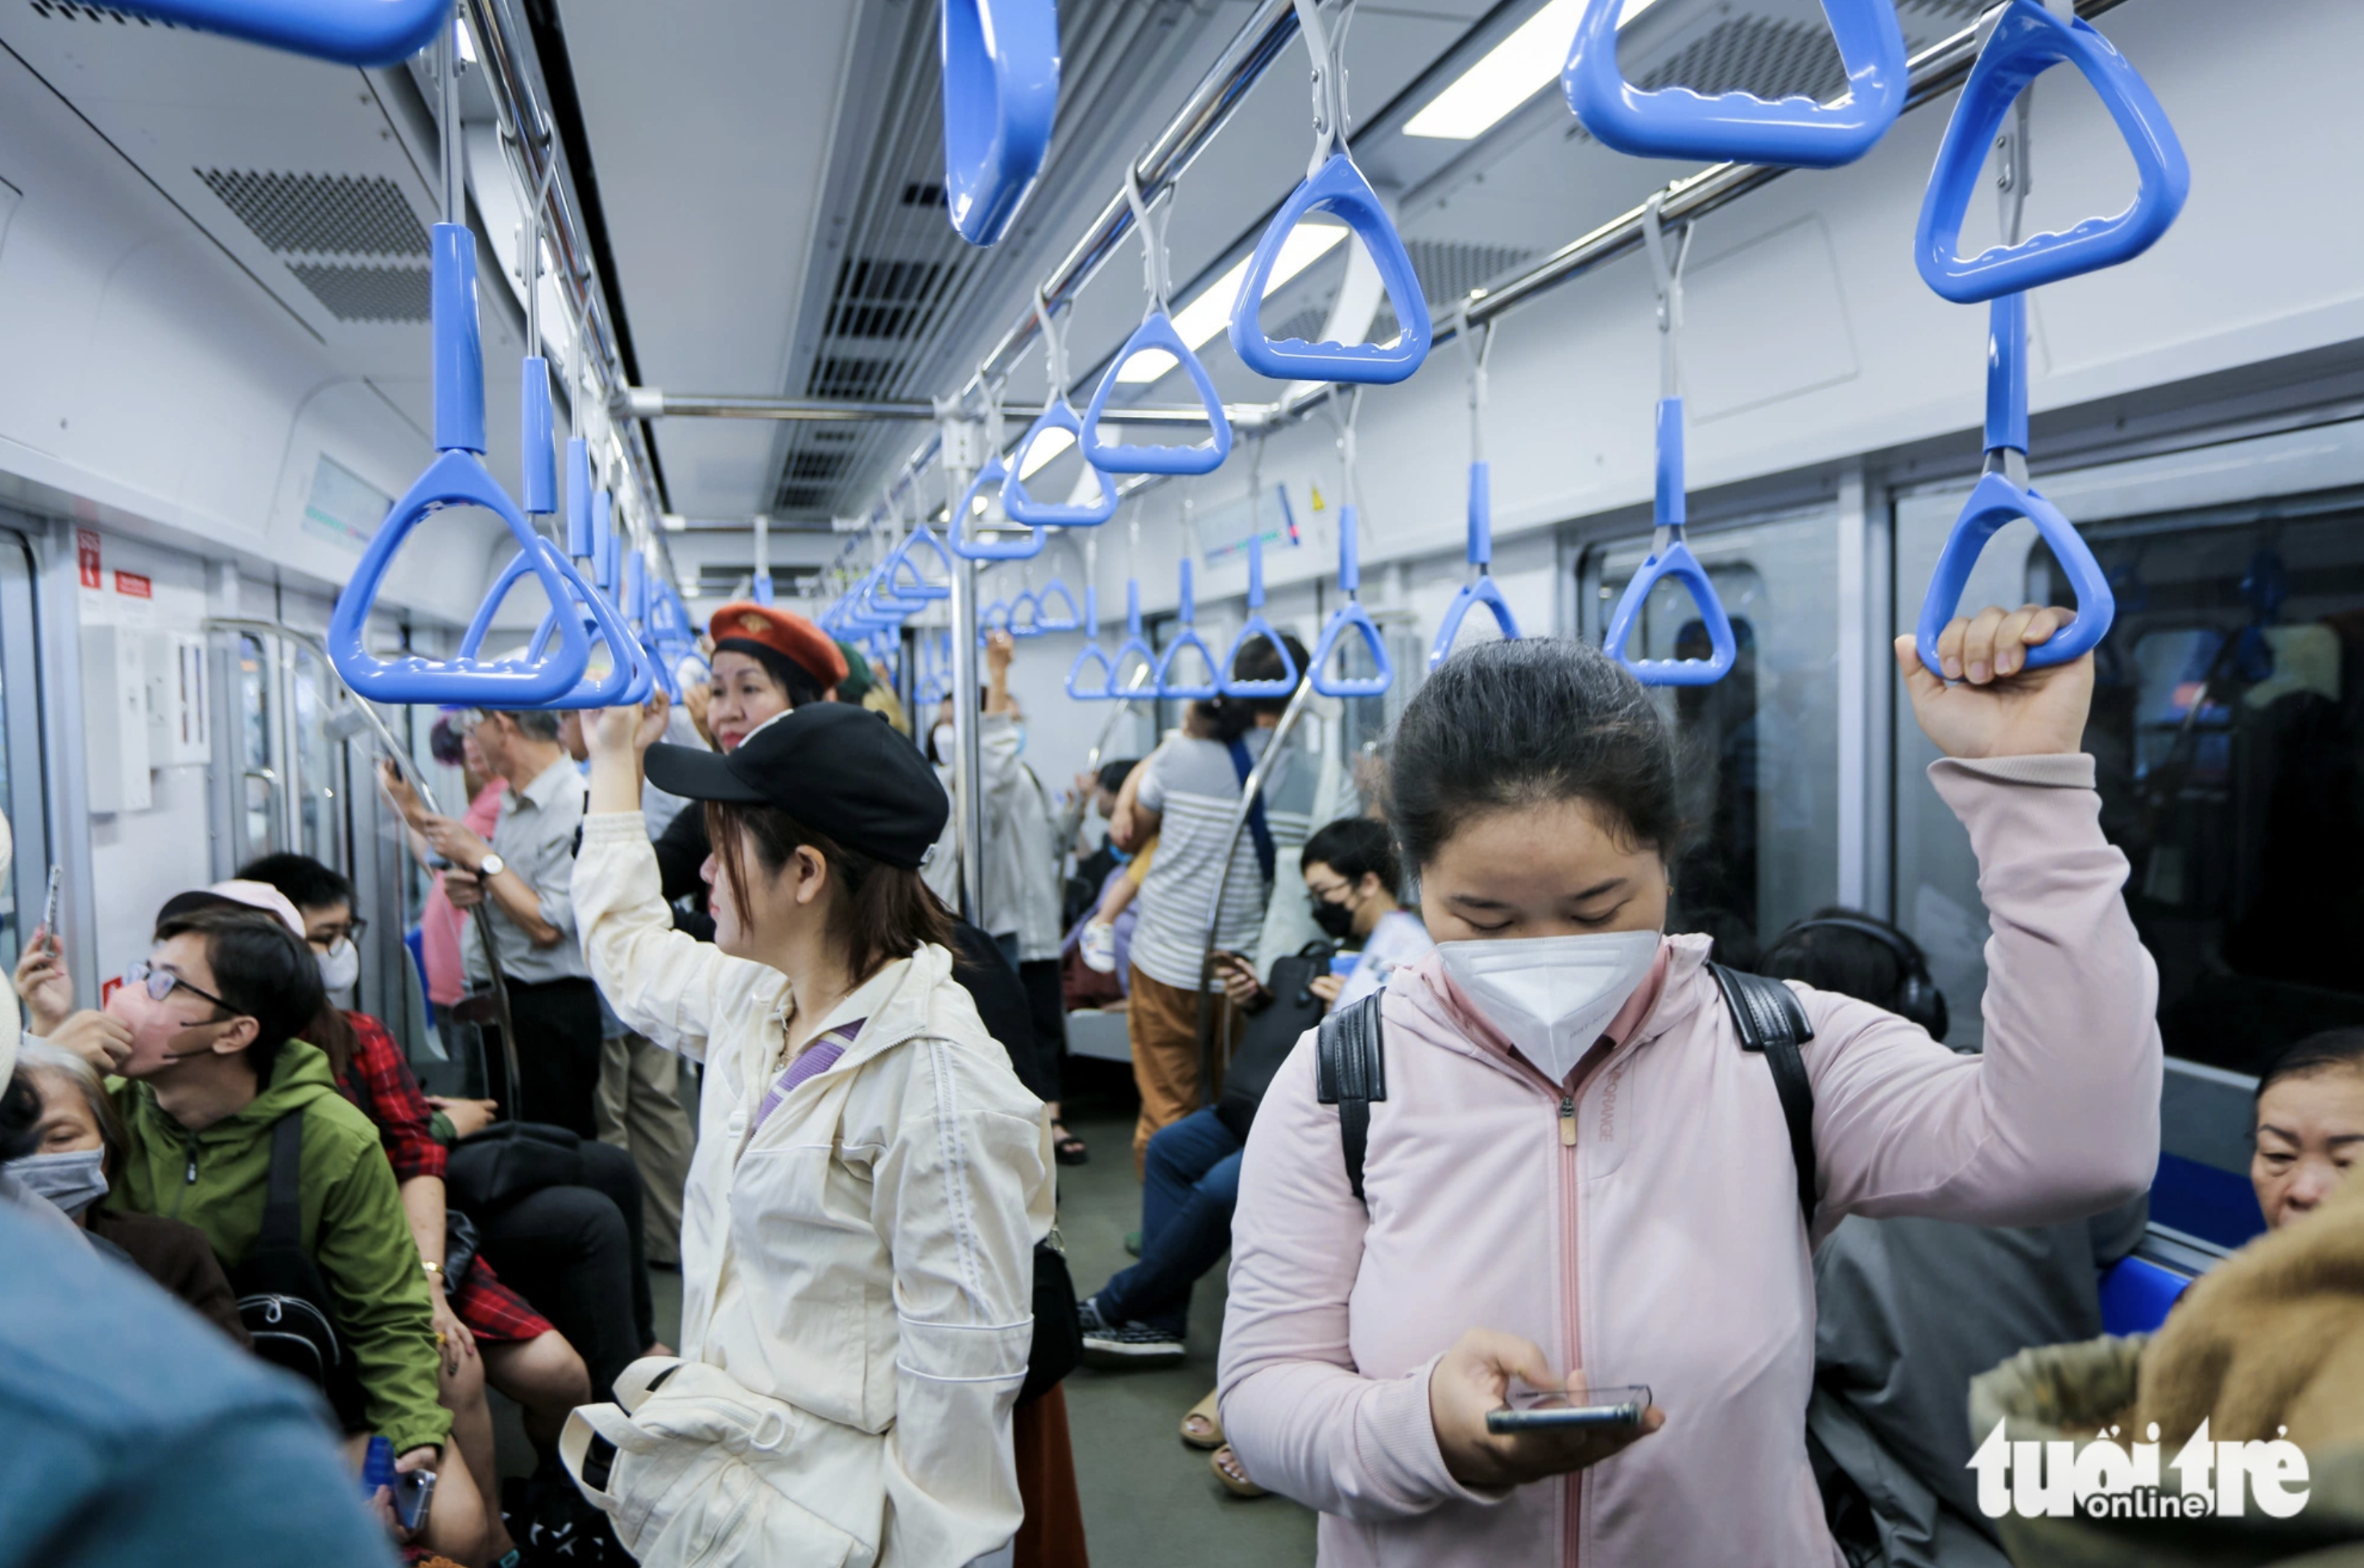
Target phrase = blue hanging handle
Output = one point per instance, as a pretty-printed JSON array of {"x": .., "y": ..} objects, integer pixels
[
  {"x": 456, "y": 478},
  {"x": 630, "y": 674},
  {"x": 347, "y": 32},
  {"x": 1187, "y": 638},
  {"x": 760, "y": 589},
  {"x": 636, "y": 587},
  {"x": 1079, "y": 687},
  {"x": 2002, "y": 497},
  {"x": 904, "y": 575},
  {"x": 1058, "y": 413},
  {"x": 1255, "y": 626},
  {"x": 603, "y": 540},
  {"x": 1481, "y": 589},
  {"x": 1671, "y": 557},
  {"x": 596, "y": 619},
  {"x": 1740, "y": 127},
  {"x": 1026, "y": 615},
  {"x": 1001, "y": 94},
  {"x": 1336, "y": 187},
  {"x": 538, "y": 454},
  {"x": 1156, "y": 332},
  {"x": 2027, "y": 41},
  {"x": 1134, "y": 646},
  {"x": 579, "y": 544},
  {"x": 995, "y": 617},
  {"x": 1351, "y": 615},
  {"x": 956, "y": 537},
  {"x": 1068, "y": 619}
]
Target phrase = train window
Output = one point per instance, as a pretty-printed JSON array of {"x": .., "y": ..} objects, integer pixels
[
  {"x": 21, "y": 791},
  {"x": 1761, "y": 745}
]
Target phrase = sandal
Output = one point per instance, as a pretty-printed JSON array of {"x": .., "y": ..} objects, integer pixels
[
  {"x": 1066, "y": 1148},
  {"x": 1203, "y": 1426},
  {"x": 1226, "y": 1466}
]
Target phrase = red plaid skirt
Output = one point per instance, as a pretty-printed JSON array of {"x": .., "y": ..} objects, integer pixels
[{"x": 494, "y": 1312}]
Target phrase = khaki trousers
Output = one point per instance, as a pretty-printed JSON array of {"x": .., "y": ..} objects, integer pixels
[
  {"x": 1162, "y": 1023},
  {"x": 640, "y": 1110}
]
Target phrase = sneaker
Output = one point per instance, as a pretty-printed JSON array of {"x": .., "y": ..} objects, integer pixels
[
  {"x": 1136, "y": 1344},
  {"x": 1098, "y": 948},
  {"x": 1089, "y": 1319}
]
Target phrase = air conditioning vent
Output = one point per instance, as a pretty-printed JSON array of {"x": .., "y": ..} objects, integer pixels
[
  {"x": 332, "y": 215},
  {"x": 891, "y": 300},
  {"x": 793, "y": 497},
  {"x": 917, "y": 193},
  {"x": 63, "y": 11},
  {"x": 851, "y": 379},
  {"x": 366, "y": 294},
  {"x": 818, "y": 466}
]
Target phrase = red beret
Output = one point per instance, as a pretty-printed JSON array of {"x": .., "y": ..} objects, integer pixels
[{"x": 791, "y": 636}]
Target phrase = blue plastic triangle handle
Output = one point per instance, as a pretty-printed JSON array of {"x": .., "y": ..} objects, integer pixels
[
  {"x": 629, "y": 676},
  {"x": 1677, "y": 561},
  {"x": 995, "y": 617},
  {"x": 1483, "y": 589},
  {"x": 1001, "y": 96},
  {"x": 1156, "y": 332},
  {"x": 1351, "y": 615},
  {"x": 904, "y": 575},
  {"x": 1046, "y": 619},
  {"x": 348, "y": 32},
  {"x": 1740, "y": 127},
  {"x": 1994, "y": 503},
  {"x": 1134, "y": 646},
  {"x": 1187, "y": 638},
  {"x": 579, "y": 544},
  {"x": 956, "y": 536},
  {"x": 603, "y": 538},
  {"x": 1255, "y": 626},
  {"x": 537, "y": 449},
  {"x": 1058, "y": 415},
  {"x": 537, "y": 557},
  {"x": 1026, "y": 615},
  {"x": 1078, "y": 686},
  {"x": 2028, "y": 41},
  {"x": 1336, "y": 187}
]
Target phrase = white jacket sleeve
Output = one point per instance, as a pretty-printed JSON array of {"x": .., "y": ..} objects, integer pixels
[
  {"x": 663, "y": 984},
  {"x": 962, "y": 1190}
]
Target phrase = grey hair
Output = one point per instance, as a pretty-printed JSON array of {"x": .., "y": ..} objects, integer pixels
[
  {"x": 536, "y": 723},
  {"x": 35, "y": 1054}
]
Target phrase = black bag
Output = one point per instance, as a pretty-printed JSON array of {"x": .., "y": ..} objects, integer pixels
[
  {"x": 1271, "y": 1034},
  {"x": 511, "y": 1161},
  {"x": 1350, "y": 1070},
  {"x": 1058, "y": 1345},
  {"x": 459, "y": 1244},
  {"x": 282, "y": 1301}
]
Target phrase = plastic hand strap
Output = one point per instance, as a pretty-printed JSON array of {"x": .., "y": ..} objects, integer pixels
[
  {"x": 1156, "y": 333},
  {"x": 579, "y": 545},
  {"x": 349, "y": 32},
  {"x": 458, "y": 342},
  {"x": 1740, "y": 127},
  {"x": 538, "y": 459},
  {"x": 1336, "y": 187},
  {"x": 1068, "y": 618},
  {"x": 636, "y": 587},
  {"x": 2007, "y": 373},
  {"x": 1002, "y": 93},
  {"x": 540, "y": 557},
  {"x": 1186, "y": 637},
  {"x": 1995, "y": 503},
  {"x": 1078, "y": 686},
  {"x": 956, "y": 534},
  {"x": 2027, "y": 41},
  {"x": 1134, "y": 646},
  {"x": 669, "y": 617},
  {"x": 1483, "y": 589},
  {"x": 1026, "y": 615},
  {"x": 1060, "y": 414},
  {"x": 904, "y": 575},
  {"x": 1258, "y": 627},
  {"x": 995, "y": 617},
  {"x": 760, "y": 589},
  {"x": 603, "y": 540},
  {"x": 1674, "y": 559},
  {"x": 629, "y": 675},
  {"x": 1352, "y": 614}
]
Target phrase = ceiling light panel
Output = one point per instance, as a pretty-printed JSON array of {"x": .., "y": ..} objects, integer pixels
[{"x": 1507, "y": 75}]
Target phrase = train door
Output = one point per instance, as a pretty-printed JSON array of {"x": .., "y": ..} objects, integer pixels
[
  {"x": 1759, "y": 749},
  {"x": 21, "y": 794}
]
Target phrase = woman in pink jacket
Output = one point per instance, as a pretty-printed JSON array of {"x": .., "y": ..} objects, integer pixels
[{"x": 1578, "y": 1173}]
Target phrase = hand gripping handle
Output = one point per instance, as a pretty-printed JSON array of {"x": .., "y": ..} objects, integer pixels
[
  {"x": 1134, "y": 646},
  {"x": 1256, "y": 626},
  {"x": 1675, "y": 559},
  {"x": 956, "y": 538},
  {"x": 1001, "y": 94},
  {"x": 1187, "y": 638},
  {"x": 2027, "y": 41},
  {"x": 1336, "y": 187},
  {"x": 1994, "y": 503},
  {"x": 1156, "y": 333},
  {"x": 1059, "y": 414},
  {"x": 1740, "y": 127},
  {"x": 346, "y": 32}
]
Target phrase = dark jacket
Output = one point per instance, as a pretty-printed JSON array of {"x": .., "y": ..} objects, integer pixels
[{"x": 177, "y": 1257}]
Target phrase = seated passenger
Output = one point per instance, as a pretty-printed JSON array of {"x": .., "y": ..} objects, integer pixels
[
  {"x": 215, "y": 1067},
  {"x": 2310, "y": 1124},
  {"x": 81, "y": 1143},
  {"x": 1907, "y": 1310},
  {"x": 1578, "y": 1176}
]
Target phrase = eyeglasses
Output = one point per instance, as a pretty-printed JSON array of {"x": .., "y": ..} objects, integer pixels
[
  {"x": 352, "y": 931},
  {"x": 1324, "y": 894},
  {"x": 161, "y": 983}
]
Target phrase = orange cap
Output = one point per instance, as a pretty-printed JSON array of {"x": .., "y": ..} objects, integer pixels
[{"x": 791, "y": 636}]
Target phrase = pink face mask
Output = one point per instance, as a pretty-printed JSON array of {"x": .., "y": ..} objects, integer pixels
[{"x": 157, "y": 1032}]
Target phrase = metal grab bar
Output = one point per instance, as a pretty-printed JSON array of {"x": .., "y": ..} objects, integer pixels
[
  {"x": 1249, "y": 792},
  {"x": 1124, "y": 701}
]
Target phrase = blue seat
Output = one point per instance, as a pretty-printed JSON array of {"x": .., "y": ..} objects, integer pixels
[{"x": 2135, "y": 1295}]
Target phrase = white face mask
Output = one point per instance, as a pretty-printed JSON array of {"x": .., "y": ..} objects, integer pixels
[
  {"x": 945, "y": 736},
  {"x": 1551, "y": 997},
  {"x": 72, "y": 1179},
  {"x": 340, "y": 966}
]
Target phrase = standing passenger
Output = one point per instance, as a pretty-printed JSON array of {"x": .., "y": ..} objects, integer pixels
[
  {"x": 1579, "y": 1178},
  {"x": 870, "y": 1178}
]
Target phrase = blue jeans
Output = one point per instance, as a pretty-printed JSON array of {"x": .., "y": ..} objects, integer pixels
[{"x": 1190, "y": 1182}]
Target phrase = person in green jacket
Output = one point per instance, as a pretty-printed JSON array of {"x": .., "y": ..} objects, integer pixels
[{"x": 214, "y": 1065}]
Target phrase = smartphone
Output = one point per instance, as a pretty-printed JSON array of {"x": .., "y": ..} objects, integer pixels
[
  {"x": 1601, "y": 1408},
  {"x": 50, "y": 906},
  {"x": 413, "y": 1499}
]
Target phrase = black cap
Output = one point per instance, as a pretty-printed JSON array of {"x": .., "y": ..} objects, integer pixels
[{"x": 833, "y": 767}]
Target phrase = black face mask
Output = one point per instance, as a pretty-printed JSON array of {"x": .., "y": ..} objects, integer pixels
[{"x": 1336, "y": 920}]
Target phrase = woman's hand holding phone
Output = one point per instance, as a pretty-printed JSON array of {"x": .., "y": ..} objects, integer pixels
[{"x": 1473, "y": 1377}]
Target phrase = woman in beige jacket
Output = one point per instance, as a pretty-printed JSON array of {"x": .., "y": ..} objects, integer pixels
[{"x": 870, "y": 1177}]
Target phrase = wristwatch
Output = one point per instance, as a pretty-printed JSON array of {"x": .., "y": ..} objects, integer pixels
[{"x": 490, "y": 867}]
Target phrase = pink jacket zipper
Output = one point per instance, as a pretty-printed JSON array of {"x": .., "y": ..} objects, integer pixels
[{"x": 1574, "y": 1481}]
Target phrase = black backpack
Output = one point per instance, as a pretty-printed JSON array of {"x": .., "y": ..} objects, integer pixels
[
  {"x": 283, "y": 1300},
  {"x": 1271, "y": 1034},
  {"x": 1350, "y": 1067}
]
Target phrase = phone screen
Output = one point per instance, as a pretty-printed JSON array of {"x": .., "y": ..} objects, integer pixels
[{"x": 50, "y": 906}]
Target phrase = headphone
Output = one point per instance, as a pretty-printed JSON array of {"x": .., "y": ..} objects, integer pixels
[{"x": 1917, "y": 1000}]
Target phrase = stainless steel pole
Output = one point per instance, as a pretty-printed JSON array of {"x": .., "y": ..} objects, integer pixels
[{"x": 959, "y": 439}]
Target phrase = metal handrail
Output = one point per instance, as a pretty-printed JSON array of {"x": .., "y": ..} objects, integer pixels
[
  {"x": 1122, "y": 706},
  {"x": 1249, "y": 792}
]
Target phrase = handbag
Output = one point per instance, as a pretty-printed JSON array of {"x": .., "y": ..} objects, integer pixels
[
  {"x": 511, "y": 1161},
  {"x": 460, "y": 1245},
  {"x": 1058, "y": 1347},
  {"x": 1271, "y": 1034}
]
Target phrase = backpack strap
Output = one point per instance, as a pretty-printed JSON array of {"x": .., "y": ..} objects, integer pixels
[
  {"x": 283, "y": 1204},
  {"x": 1350, "y": 1072},
  {"x": 1772, "y": 1022},
  {"x": 1267, "y": 853}
]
